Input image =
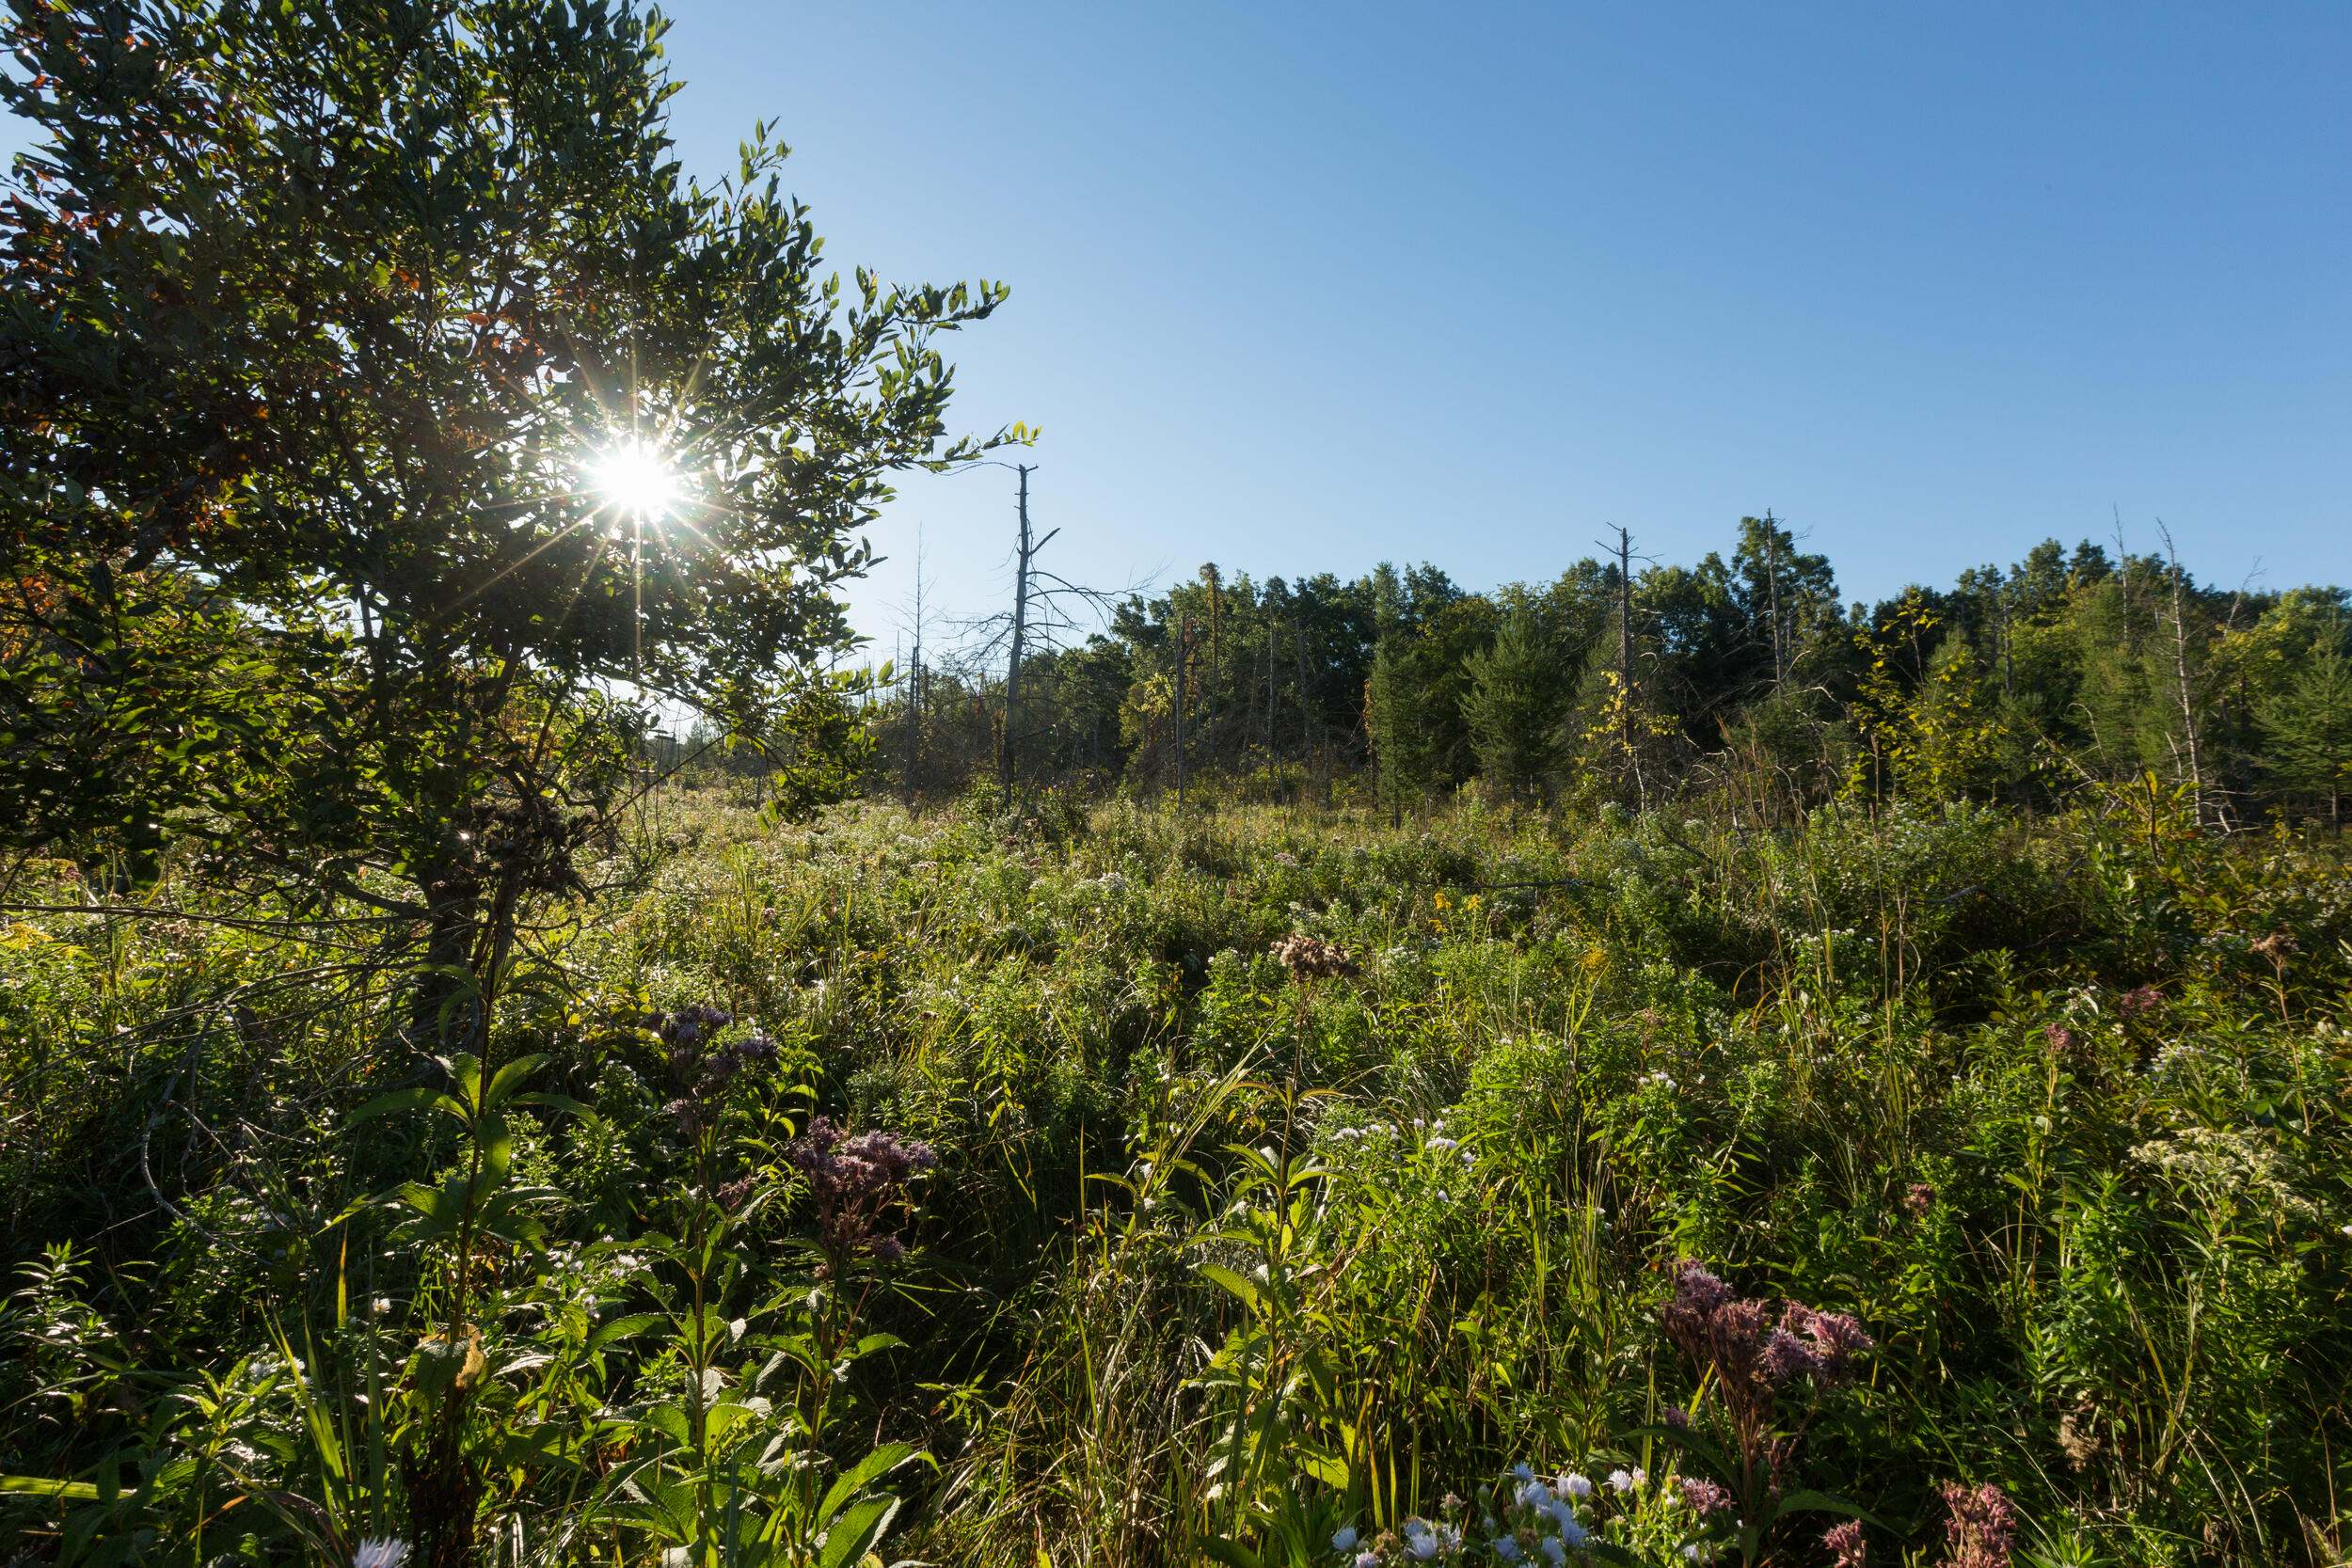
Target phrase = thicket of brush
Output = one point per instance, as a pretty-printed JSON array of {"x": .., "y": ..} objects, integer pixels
[{"x": 1262, "y": 1179}]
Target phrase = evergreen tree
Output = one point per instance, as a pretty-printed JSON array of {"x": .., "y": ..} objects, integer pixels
[
  {"x": 1517, "y": 701},
  {"x": 2308, "y": 726}
]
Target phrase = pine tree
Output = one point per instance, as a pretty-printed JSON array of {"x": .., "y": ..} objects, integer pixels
[
  {"x": 1514, "y": 707},
  {"x": 2308, "y": 724}
]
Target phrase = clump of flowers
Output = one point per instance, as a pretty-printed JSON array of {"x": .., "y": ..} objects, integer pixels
[
  {"x": 2138, "y": 1002},
  {"x": 1528, "y": 1520},
  {"x": 701, "y": 1066},
  {"x": 1311, "y": 958},
  {"x": 1748, "y": 1357},
  {"x": 856, "y": 1180},
  {"x": 1979, "y": 1526},
  {"x": 1845, "y": 1545}
]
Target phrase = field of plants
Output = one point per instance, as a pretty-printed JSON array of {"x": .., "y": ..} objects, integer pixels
[
  {"x": 1267, "y": 1187},
  {"x": 523, "y": 1044}
]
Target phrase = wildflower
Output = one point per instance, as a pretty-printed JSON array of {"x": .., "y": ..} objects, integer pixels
[
  {"x": 1919, "y": 1198},
  {"x": 1311, "y": 958},
  {"x": 1845, "y": 1545},
  {"x": 1981, "y": 1528},
  {"x": 1705, "y": 1499},
  {"x": 1576, "y": 1485},
  {"x": 2138, "y": 1002},
  {"x": 1555, "y": 1550},
  {"x": 1621, "y": 1480},
  {"x": 1344, "y": 1539},
  {"x": 1420, "y": 1540},
  {"x": 2061, "y": 1038},
  {"x": 1505, "y": 1547},
  {"x": 1367, "y": 1560},
  {"x": 854, "y": 1180},
  {"x": 380, "y": 1552}
]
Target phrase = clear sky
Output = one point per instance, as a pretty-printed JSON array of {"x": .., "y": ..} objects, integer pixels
[{"x": 1301, "y": 288}]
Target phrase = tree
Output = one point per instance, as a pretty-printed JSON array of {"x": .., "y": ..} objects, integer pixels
[
  {"x": 1516, "y": 706},
  {"x": 381, "y": 353},
  {"x": 2308, "y": 724}
]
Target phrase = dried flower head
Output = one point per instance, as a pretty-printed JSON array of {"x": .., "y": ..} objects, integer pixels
[
  {"x": 1311, "y": 958},
  {"x": 2275, "y": 946}
]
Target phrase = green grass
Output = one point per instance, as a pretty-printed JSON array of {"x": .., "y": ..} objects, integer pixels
[{"x": 1213, "y": 1252}]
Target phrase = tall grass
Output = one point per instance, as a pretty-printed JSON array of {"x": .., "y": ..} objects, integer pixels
[{"x": 1228, "y": 1246}]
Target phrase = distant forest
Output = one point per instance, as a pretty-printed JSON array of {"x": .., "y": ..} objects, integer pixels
[{"x": 1638, "y": 682}]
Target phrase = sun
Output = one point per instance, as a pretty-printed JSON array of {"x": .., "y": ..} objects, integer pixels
[{"x": 636, "y": 479}]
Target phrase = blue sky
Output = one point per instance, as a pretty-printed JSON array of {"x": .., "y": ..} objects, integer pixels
[{"x": 1303, "y": 287}]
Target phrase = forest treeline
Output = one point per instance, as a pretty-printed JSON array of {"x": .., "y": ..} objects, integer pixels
[{"x": 1626, "y": 680}]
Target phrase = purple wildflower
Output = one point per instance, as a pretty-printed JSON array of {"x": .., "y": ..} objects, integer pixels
[
  {"x": 1845, "y": 1545},
  {"x": 1704, "y": 1498},
  {"x": 854, "y": 1180},
  {"x": 702, "y": 1070},
  {"x": 1981, "y": 1528}
]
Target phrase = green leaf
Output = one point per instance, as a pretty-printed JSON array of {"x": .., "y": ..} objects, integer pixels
[
  {"x": 1802, "y": 1500},
  {"x": 402, "y": 1100},
  {"x": 1218, "y": 1273},
  {"x": 855, "y": 1530},
  {"x": 42, "y": 1487},
  {"x": 622, "y": 1328},
  {"x": 508, "y": 1078},
  {"x": 858, "y": 1477}
]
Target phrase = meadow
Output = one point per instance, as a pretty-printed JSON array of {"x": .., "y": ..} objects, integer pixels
[{"x": 1093, "y": 1185}]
